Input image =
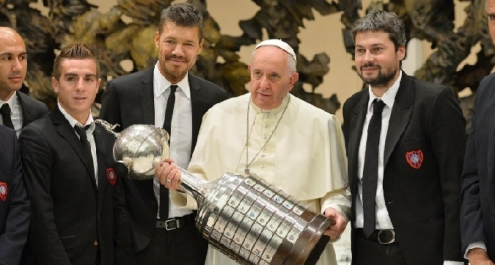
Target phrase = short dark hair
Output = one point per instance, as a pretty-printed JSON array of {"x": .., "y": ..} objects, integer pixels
[
  {"x": 381, "y": 21},
  {"x": 182, "y": 14},
  {"x": 78, "y": 51}
]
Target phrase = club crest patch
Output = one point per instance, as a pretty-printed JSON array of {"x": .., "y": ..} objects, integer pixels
[
  {"x": 415, "y": 158},
  {"x": 4, "y": 191},
  {"x": 111, "y": 176}
]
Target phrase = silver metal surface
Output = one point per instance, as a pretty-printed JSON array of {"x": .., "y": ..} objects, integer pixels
[
  {"x": 255, "y": 223},
  {"x": 139, "y": 147}
]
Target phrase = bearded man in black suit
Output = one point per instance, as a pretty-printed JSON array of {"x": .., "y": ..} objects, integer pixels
[
  {"x": 405, "y": 142},
  {"x": 165, "y": 95}
]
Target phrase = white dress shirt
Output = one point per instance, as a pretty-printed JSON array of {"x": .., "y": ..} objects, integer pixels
[
  {"x": 181, "y": 127},
  {"x": 16, "y": 112}
]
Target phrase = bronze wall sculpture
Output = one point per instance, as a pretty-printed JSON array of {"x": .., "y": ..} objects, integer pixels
[{"x": 126, "y": 32}]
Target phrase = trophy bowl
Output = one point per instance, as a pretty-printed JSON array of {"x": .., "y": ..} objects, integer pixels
[{"x": 139, "y": 147}]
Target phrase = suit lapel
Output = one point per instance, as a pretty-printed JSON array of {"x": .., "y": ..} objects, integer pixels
[
  {"x": 27, "y": 116},
  {"x": 400, "y": 116},
  {"x": 196, "y": 109},
  {"x": 356, "y": 131},
  {"x": 488, "y": 129},
  {"x": 67, "y": 132},
  {"x": 146, "y": 97}
]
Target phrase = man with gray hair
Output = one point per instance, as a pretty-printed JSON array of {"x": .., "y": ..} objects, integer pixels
[
  {"x": 405, "y": 142},
  {"x": 289, "y": 143}
]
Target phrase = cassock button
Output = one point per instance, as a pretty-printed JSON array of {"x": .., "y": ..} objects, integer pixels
[{"x": 95, "y": 243}]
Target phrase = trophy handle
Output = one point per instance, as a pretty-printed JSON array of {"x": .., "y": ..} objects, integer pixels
[
  {"x": 127, "y": 163},
  {"x": 108, "y": 126}
]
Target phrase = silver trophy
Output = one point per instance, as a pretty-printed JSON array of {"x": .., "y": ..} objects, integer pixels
[
  {"x": 244, "y": 217},
  {"x": 139, "y": 147}
]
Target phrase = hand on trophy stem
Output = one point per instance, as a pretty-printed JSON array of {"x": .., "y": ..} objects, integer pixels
[
  {"x": 168, "y": 174},
  {"x": 338, "y": 228}
]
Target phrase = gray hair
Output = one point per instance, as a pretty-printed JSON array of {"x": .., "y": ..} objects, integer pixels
[
  {"x": 381, "y": 21},
  {"x": 184, "y": 15}
]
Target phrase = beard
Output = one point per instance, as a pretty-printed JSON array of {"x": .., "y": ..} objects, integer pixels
[
  {"x": 177, "y": 74},
  {"x": 382, "y": 79},
  {"x": 173, "y": 73}
]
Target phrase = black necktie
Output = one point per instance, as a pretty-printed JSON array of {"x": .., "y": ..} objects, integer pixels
[
  {"x": 370, "y": 171},
  {"x": 83, "y": 137},
  {"x": 5, "y": 111},
  {"x": 167, "y": 126}
]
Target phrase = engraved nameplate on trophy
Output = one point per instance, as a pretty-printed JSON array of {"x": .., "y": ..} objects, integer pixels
[{"x": 252, "y": 222}]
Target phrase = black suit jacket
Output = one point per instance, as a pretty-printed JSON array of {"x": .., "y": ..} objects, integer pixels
[
  {"x": 32, "y": 109},
  {"x": 71, "y": 215},
  {"x": 478, "y": 192},
  {"x": 128, "y": 100},
  {"x": 423, "y": 203},
  {"x": 14, "y": 205}
]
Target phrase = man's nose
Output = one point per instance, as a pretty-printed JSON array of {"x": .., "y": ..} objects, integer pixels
[
  {"x": 178, "y": 50},
  {"x": 264, "y": 82},
  {"x": 368, "y": 57},
  {"x": 17, "y": 64},
  {"x": 80, "y": 84}
]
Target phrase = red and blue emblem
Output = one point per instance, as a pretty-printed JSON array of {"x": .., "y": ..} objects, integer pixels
[
  {"x": 415, "y": 158},
  {"x": 4, "y": 191},
  {"x": 111, "y": 176}
]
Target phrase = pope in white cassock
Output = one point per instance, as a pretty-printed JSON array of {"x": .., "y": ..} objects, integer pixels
[{"x": 290, "y": 143}]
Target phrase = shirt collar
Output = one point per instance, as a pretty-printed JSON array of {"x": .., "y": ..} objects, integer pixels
[
  {"x": 12, "y": 101},
  {"x": 275, "y": 111},
  {"x": 161, "y": 84},
  {"x": 388, "y": 97},
  {"x": 73, "y": 122}
]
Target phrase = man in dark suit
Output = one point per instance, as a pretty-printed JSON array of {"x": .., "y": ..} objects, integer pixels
[
  {"x": 165, "y": 95},
  {"x": 477, "y": 192},
  {"x": 16, "y": 108},
  {"x": 405, "y": 143},
  {"x": 14, "y": 205},
  {"x": 78, "y": 216}
]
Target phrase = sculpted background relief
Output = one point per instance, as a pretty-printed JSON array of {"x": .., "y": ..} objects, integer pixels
[{"x": 125, "y": 34}]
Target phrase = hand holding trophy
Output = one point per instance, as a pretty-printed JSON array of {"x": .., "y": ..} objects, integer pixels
[{"x": 246, "y": 218}]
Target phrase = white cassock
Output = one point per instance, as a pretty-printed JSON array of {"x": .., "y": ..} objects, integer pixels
[{"x": 305, "y": 156}]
